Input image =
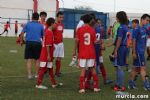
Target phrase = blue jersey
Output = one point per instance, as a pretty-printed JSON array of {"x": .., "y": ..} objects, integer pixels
[
  {"x": 140, "y": 35},
  {"x": 34, "y": 31},
  {"x": 98, "y": 32},
  {"x": 122, "y": 33}
]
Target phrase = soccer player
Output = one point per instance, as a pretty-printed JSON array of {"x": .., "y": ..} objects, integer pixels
[
  {"x": 148, "y": 43},
  {"x": 34, "y": 32},
  {"x": 46, "y": 57},
  {"x": 6, "y": 26},
  {"x": 139, "y": 47},
  {"x": 16, "y": 27},
  {"x": 58, "y": 42},
  {"x": 98, "y": 49},
  {"x": 85, "y": 40},
  {"x": 120, "y": 50},
  {"x": 43, "y": 16}
]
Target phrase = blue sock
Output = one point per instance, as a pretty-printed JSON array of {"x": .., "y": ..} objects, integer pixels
[
  {"x": 146, "y": 83},
  {"x": 120, "y": 77}
]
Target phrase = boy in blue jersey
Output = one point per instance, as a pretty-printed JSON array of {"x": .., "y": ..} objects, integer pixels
[
  {"x": 98, "y": 49},
  {"x": 34, "y": 33},
  {"x": 140, "y": 34},
  {"x": 120, "y": 50}
]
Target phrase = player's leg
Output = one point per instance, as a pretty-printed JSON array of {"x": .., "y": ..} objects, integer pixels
[
  {"x": 7, "y": 32},
  {"x": 41, "y": 72},
  {"x": 131, "y": 83},
  {"x": 145, "y": 80},
  {"x": 90, "y": 64},
  {"x": 29, "y": 68},
  {"x": 36, "y": 55},
  {"x": 3, "y": 32},
  {"x": 82, "y": 64},
  {"x": 58, "y": 54}
]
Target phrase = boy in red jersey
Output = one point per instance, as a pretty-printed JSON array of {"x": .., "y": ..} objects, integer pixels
[
  {"x": 85, "y": 40},
  {"x": 43, "y": 16},
  {"x": 58, "y": 42},
  {"x": 6, "y": 26},
  {"x": 46, "y": 57}
]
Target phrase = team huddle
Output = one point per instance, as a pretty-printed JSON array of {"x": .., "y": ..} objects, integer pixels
[{"x": 44, "y": 44}]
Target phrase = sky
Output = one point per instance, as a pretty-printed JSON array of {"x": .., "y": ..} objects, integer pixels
[{"x": 130, "y": 6}]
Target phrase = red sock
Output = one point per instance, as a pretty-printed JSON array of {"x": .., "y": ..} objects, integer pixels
[
  {"x": 88, "y": 78},
  {"x": 41, "y": 73},
  {"x": 102, "y": 68},
  {"x": 58, "y": 64},
  {"x": 82, "y": 82},
  {"x": 51, "y": 75},
  {"x": 95, "y": 79}
]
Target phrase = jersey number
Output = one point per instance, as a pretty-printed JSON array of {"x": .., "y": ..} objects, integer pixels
[
  {"x": 87, "y": 39},
  {"x": 98, "y": 36}
]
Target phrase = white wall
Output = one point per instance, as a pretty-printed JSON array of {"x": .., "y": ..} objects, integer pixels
[{"x": 19, "y": 9}]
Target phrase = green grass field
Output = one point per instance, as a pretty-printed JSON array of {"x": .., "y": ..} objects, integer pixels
[{"x": 15, "y": 85}]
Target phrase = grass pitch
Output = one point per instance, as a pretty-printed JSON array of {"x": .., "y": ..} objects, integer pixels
[{"x": 14, "y": 84}]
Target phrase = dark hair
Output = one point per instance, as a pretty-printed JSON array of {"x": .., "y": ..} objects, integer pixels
[
  {"x": 87, "y": 18},
  {"x": 122, "y": 17},
  {"x": 16, "y": 21},
  {"x": 43, "y": 13},
  {"x": 98, "y": 19},
  {"x": 59, "y": 13},
  {"x": 93, "y": 15},
  {"x": 135, "y": 21},
  {"x": 50, "y": 21},
  {"x": 144, "y": 16},
  {"x": 35, "y": 16}
]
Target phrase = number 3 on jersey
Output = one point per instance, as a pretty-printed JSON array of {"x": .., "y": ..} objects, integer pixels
[{"x": 87, "y": 39}]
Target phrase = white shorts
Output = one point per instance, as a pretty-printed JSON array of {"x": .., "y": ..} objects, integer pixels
[
  {"x": 148, "y": 42},
  {"x": 59, "y": 50},
  {"x": 86, "y": 62},
  {"x": 46, "y": 64}
]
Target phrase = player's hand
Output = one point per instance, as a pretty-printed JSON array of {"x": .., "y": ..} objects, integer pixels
[
  {"x": 49, "y": 58},
  {"x": 134, "y": 55},
  {"x": 115, "y": 54}
]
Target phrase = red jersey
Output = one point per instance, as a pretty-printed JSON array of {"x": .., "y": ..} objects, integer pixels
[
  {"x": 86, "y": 36},
  {"x": 16, "y": 26},
  {"x": 47, "y": 41},
  {"x": 6, "y": 26},
  {"x": 44, "y": 24},
  {"x": 58, "y": 33}
]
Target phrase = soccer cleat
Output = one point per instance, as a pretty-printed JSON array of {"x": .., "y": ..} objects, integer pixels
[
  {"x": 54, "y": 86},
  {"x": 123, "y": 88},
  {"x": 96, "y": 89},
  {"x": 73, "y": 62},
  {"x": 82, "y": 91},
  {"x": 116, "y": 88},
  {"x": 41, "y": 87},
  {"x": 30, "y": 77},
  {"x": 36, "y": 76},
  {"x": 147, "y": 85},
  {"x": 132, "y": 85}
]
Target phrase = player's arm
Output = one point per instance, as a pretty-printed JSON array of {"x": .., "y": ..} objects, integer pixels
[
  {"x": 76, "y": 44},
  {"x": 118, "y": 42},
  {"x": 48, "y": 48},
  {"x": 22, "y": 34},
  {"x": 134, "y": 43}
]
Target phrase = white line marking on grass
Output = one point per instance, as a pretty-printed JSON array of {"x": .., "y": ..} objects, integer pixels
[{"x": 13, "y": 51}]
